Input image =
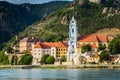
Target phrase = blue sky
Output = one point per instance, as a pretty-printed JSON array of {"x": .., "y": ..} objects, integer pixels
[{"x": 31, "y": 1}]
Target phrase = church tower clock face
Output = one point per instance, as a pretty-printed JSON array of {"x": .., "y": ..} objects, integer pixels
[{"x": 73, "y": 34}]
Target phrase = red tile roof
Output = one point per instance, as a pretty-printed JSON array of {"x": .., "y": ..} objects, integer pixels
[
  {"x": 102, "y": 37},
  {"x": 37, "y": 45},
  {"x": 50, "y": 44},
  {"x": 92, "y": 45},
  {"x": 93, "y": 38}
]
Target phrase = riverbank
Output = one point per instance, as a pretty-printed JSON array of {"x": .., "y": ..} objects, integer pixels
[{"x": 109, "y": 66}]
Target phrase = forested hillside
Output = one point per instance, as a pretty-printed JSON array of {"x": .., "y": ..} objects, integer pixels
[{"x": 16, "y": 17}]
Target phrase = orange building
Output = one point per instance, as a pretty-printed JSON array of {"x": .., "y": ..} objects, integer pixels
[{"x": 94, "y": 40}]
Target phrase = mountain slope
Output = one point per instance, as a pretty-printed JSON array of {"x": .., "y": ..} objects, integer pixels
[
  {"x": 15, "y": 18},
  {"x": 91, "y": 17}
]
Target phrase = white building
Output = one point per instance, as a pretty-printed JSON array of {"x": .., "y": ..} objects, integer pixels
[
  {"x": 39, "y": 50},
  {"x": 72, "y": 45}
]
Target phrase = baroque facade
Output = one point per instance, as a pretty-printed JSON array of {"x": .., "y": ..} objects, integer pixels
[{"x": 73, "y": 35}]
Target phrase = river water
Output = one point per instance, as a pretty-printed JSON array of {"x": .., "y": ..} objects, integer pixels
[{"x": 59, "y": 74}]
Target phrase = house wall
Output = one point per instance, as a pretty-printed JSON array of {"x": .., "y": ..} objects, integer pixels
[
  {"x": 38, "y": 53},
  {"x": 23, "y": 46},
  {"x": 61, "y": 52}
]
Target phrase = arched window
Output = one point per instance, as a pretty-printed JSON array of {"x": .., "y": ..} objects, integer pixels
[{"x": 72, "y": 30}]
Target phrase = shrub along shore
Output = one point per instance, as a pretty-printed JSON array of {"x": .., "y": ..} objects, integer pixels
[{"x": 109, "y": 66}]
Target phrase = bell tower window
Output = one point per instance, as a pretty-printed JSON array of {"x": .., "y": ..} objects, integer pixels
[{"x": 72, "y": 30}]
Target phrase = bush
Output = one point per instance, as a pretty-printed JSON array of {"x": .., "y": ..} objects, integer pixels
[
  {"x": 104, "y": 56},
  {"x": 86, "y": 48},
  {"x": 3, "y": 58},
  {"x": 50, "y": 60},
  {"x": 43, "y": 59},
  {"x": 14, "y": 60},
  {"x": 114, "y": 45},
  {"x": 47, "y": 59},
  {"x": 63, "y": 59},
  {"x": 26, "y": 59}
]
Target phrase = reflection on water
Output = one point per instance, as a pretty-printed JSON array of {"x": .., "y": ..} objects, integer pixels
[{"x": 59, "y": 74}]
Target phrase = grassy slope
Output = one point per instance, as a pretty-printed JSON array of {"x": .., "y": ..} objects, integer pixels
[{"x": 89, "y": 17}]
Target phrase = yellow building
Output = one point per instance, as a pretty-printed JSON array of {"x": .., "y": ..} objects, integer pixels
[{"x": 61, "y": 50}]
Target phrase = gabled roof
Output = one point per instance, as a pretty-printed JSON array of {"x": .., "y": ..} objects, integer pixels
[
  {"x": 93, "y": 38},
  {"x": 102, "y": 37},
  {"x": 37, "y": 45},
  {"x": 87, "y": 38}
]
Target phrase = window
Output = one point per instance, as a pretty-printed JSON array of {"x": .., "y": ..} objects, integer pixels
[{"x": 72, "y": 30}]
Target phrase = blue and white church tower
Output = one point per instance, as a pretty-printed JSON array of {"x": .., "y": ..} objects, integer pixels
[{"x": 73, "y": 35}]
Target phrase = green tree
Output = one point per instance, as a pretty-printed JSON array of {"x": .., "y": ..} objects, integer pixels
[
  {"x": 26, "y": 59},
  {"x": 114, "y": 46},
  {"x": 5, "y": 60},
  {"x": 104, "y": 56},
  {"x": 63, "y": 59},
  {"x": 10, "y": 50},
  {"x": 50, "y": 60},
  {"x": 43, "y": 59},
  {"x": 86, "y": 48},
  {"x": 14, "y": 60}
]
